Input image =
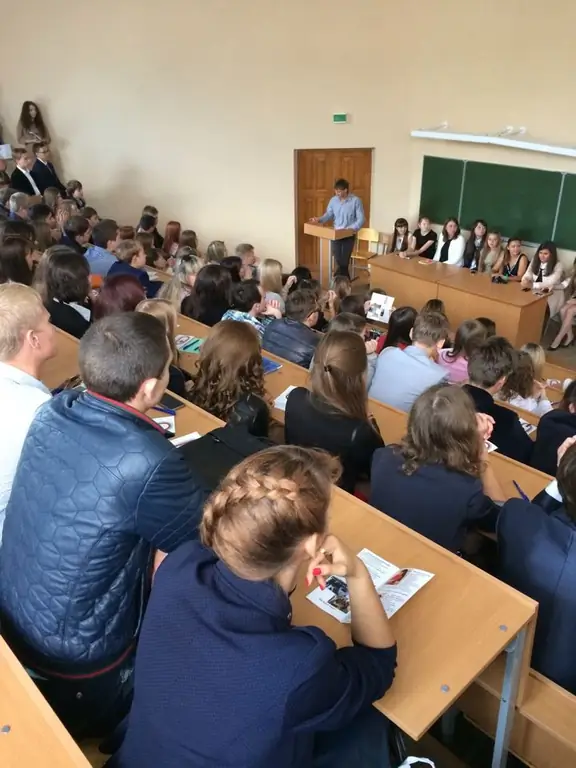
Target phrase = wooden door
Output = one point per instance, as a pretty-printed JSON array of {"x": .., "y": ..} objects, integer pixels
[{"x": 316, "y": 171}]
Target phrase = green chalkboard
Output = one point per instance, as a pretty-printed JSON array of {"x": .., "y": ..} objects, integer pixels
[
  {"x": 514, "y": 201},
  {"x": 441, "y": 188},
  {"x": 565, "y": 234}
]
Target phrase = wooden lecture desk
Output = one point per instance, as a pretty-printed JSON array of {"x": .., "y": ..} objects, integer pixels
[
  {"x": 447, "y": 634},
  {"x": 518, "y": 314}
]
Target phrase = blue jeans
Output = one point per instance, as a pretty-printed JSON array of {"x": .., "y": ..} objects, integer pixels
[{"x": 362, "y": 744}]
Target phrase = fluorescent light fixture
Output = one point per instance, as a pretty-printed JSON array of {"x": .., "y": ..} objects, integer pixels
[{"x": 501, "y": 140}]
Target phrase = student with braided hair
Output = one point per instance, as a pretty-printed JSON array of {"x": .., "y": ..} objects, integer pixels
[{"x": 222, "y": 676}]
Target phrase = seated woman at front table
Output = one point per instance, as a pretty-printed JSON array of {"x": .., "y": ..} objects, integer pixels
[
  {"x": 424, "y": 239},
  {"x": 333, "y": 413},
  {"x": 211, "y": 295},
  {"x": 400, "y": 239},
  {"x": 545, "y": 275},
  {"x": 438, "y": 481},
  {"x": 454, "y": 360},
  {"x": 512, "y": 262},
  {"x": 567, "y": 313},
  {"x": 451, "y": 244},
  {"x": 493, "y": 252},
  {"x": 62, "y": 278},
  {"x": 523, "y": 390},
  {"x": 475, "y": 246},
  {"x": 222, "y": 676},
  {"x": 229, "y": 382}
]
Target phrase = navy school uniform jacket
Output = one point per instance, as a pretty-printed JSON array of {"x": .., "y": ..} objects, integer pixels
[
  {"x": 123, "y": 268},
  {"x": 224, "y": 679},
  {"x": 537, "y": 556},
  {"x": 554, "y": 427}
]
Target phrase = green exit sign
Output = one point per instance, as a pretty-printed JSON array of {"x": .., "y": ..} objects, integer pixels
[{"x": 340, "y": 117}]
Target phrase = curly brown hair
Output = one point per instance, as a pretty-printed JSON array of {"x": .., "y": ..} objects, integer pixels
[
  {"x": 228, "y": 368},
  {"x": 443, "y": 429}
]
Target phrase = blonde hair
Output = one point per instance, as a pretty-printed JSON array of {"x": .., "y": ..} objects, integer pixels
[
  {"x": 187, "y": 264},
  {"x": 165, "y": 312},
  {"x": 271, "y": 276},
  {"x": 216, "y": 251},
  {"x": 21, "y": 310},
  {"x": 126, "y": 250},
  {"x": 267, "y": 506},
  {"x": 538, "y": 356}
]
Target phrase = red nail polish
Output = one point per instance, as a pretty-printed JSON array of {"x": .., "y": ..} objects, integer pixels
[
  {"x": 317, "y": 572},
  {"x": 321, "y": 586}
]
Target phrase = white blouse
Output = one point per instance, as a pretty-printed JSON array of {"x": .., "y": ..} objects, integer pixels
[{"x": 455, "y": 251}]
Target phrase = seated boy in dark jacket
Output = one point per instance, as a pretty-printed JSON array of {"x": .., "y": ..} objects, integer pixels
[
  {"x": 131, "y": 261},
  {"x": 99, "y": 488},
  {"x": 292, "y": 336}
]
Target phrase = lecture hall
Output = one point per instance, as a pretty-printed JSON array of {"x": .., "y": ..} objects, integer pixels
[{"x": 288, "y": 368}]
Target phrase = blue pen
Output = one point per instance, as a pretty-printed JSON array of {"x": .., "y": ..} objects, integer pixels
[
  {"x": 520, "y": 491},
  {"x": 161, "y": 408}
]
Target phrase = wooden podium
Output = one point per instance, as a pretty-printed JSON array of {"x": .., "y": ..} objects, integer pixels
[{"x": 325, "y": 234}]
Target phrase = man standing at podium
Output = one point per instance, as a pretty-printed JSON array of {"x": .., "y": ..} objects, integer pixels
[{"x": 347, "y": 212}]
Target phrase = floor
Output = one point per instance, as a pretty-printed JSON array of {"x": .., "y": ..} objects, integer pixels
[{"x": 565, "y": 357}]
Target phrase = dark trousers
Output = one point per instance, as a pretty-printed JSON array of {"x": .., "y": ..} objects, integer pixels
[
  {"x": 363, "y": 743},
  {"x": 91, "y": 707},
  {"x": 341, "y": 253}
]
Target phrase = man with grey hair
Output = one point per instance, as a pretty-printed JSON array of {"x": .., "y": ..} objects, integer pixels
[
  {"x": 26, "y": 342},
  {"x": 18, "y": 207}
]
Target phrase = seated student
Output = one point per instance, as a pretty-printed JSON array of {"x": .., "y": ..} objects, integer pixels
[
  {"x": 118, "y": 294},
  {"x": 248, "y": 255},
  {"x": 26, "y": 343},
  {"x": 340, "y": 288},
  {"x": 400, "y": 237},
  {"x": 156, "y": 258},
  {"x": 402, "y": 375},
  {"x": 333, "y": 413},
  {"x": 292, "y": 337},
  {"x": 63, "y": 281},
  {"x": 567, "y": 311},
  {"x": 101, "y": 255},
  {"x": 523, "y": 390},
  {"x": 247, "y": 305},
  {"x": 152, "y": 211},
  {"x": 545, "y": 275},
  {"x": 5, "y": 195},
  {"x": 165, "y": 312},
  {"x": 537, "y": 556},
  {"x": 492, "y": 253},
  {"x": 172, "y": 238},
  {"x": 322, "y": 300},
  {"x": 264, "y": 692},
  {"x": 489, "y": 365},
  {"x": 89, "y": 213},
  {"x": 43, "y": 237},
  {"x": 43, "y": 171},
  {"x": 438, "y": 481},
  {"x": 131, "y": 261},
  {"x": 21, "y": 179},
  {"x": 553, "y": 428},
  {"x": 77, "y": 234},
  {"x": 216, "y": 251},
  {"x": 41, "y": 213},
  {"x": 400, "y": 327},
  {"x": 211, "y": 295},
  {"x": 18, "y": 207},
  {"x": 512, "y": 263},
  {"x": 64, "y": 211},
  {"x": 86, "y": 514},
  {"x": 475, "y": 249},
  {"x": 434, "y": 305},
  {"x": 146, "y": 240},
  {"x": 424, "y": 239},
  {"x": 356, "y": 324},
  {"x": 127, "y": 232},
  {"x": 271, "y": 282},
  {"x": 52, "y": 198},
  {"x": 451, "y": 244},
  {"x": 469, "y": 335},
  {"x": 188, "y": 239},
  {"x": 23, "y": 229},
  {"x": 296, "y": 277},
  {"x": 16, "y": 260},
  {"x": 237, "y": 271},
  {"x": 75, "y": 191},
  {"x": 184, "y": 273},
  {"x": 489, "y": 325},
  {"x": 229, "y": 382}
]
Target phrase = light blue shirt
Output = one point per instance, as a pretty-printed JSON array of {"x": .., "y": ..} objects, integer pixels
[
  {"x": 346, "y": 214},
  {"x": 99, "y": 260},
  {"x": 402, "y": 375}
]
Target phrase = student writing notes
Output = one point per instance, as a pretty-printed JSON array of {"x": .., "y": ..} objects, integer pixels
[
  {"x": 451, "y": 244},
  {"x": 438, "y": 481},
  {"x": 240, "y": 685},
  {"x": 424, "y": 239}
]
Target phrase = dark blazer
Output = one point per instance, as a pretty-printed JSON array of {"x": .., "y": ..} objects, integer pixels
[
  {"x": 252, "y": 413},
  {"x": 123, "y": 268},
  {"x": 71, "y": 243},
  {"x": 20, "y": 183},
  {"x": 554, "y": 427},
  {"x": 438, "y": 503},
  {"x": 312, "y": 424},
  {"x": 291, "y": 340},
  {"x": 66, "y": 318},
  {"x": 508, "y": 435},
  {"x": 537, "y": 555},
  {"x": 239, "y": 685},
  {"x": 45, "y": 176}
]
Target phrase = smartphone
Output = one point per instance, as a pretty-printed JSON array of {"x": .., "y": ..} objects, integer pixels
[
  {"x": 170, "y": 402},
  {"x": 372, "y": 334}
]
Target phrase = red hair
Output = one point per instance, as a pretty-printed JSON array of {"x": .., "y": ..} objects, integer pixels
[
  {"x": 119, "y": 293},
  {"x": 171, "y": 235}
]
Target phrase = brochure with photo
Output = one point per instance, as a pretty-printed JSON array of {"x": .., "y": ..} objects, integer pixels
[
  {"x": 394, "y": 585},
  {"x": 186, "y": 343},
  {"x": 381, "y": 307}
]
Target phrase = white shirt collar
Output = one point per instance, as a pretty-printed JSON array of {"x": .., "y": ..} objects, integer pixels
[
  {"x": 11, "y": 373},
  {"x": 30, "y": 178}
]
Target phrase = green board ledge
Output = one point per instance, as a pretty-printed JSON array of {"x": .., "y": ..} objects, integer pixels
[{"x": 503, "y": 139}]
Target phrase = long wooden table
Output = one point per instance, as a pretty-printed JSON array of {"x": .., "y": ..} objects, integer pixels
[{"x": 519, "y": 315}]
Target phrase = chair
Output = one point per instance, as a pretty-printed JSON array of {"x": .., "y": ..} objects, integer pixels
[{"x": 362, "y": 253}]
